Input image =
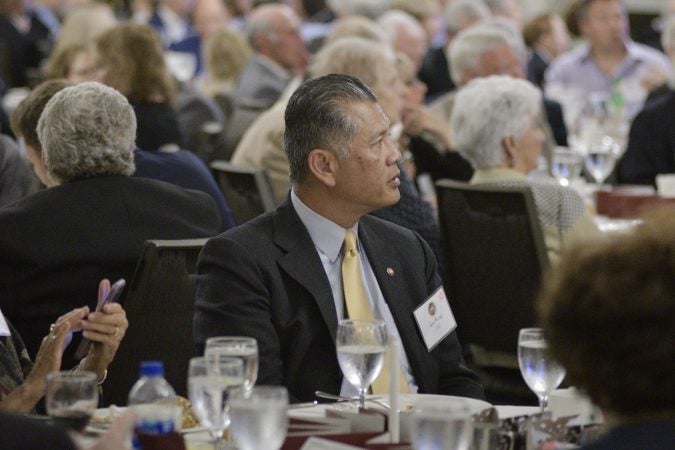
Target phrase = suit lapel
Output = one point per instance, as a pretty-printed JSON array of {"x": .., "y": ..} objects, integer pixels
[
  {"x": 391, "y": 277},
  {"x": 302, "y": 262},
  {"x": 387, "y": 269}
]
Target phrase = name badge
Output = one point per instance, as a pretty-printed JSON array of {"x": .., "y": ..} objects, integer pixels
[{"x": 434, "y": 319}]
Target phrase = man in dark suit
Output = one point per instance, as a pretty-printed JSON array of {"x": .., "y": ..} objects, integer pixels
[
  {"x": 277, "y": 278},
  {"x": 57, "y": 244},
  {"x": 651, "y": 143},
  {"x": 435, "y": 72}
]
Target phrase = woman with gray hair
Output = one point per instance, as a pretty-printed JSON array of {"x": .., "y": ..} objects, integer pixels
[
  {"x": 57, "y": 244},
  {"x": 110, "y": 126},
  {"x": 494, "y": 123}
]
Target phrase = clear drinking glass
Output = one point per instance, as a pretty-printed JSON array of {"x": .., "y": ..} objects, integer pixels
[
  {"x": 209, "y": 384},
  {"x": 361, "y": 345},
  {"x": 566, "y": 165},
  {"x": 259, "y": 420},
  {"x": 71, "y": 398},
  {"x": 540, "y": 371},
  {"x": 441, "y": 425},
  {"x": 245, "y": 348}
]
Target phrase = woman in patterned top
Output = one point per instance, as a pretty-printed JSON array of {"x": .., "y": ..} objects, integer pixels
[
  {"x": 494, "y": 123},
  {"x": 22, "y": 382}
]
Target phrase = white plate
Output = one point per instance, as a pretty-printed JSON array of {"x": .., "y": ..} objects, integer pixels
[{"x": 407, "y": 402}]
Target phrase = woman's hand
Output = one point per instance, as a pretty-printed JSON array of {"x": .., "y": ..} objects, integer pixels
[
  {"x": 105, "y": 329},
  {"x": 417, "y": 118},
  {"x": 48, "y": 359}
]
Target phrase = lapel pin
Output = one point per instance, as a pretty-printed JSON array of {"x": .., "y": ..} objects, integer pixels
[{"x": 390, "y": 271}]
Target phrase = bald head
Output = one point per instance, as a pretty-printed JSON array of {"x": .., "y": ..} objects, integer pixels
[{"x": 210, "y": 16}]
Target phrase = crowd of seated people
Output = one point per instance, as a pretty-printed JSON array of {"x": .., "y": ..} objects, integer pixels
[{"x": 120, "y": 110}]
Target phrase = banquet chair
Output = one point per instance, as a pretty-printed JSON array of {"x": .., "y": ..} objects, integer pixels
[
  {"x": 159, "y": 306},
  {"x": 494, "y": 255},
  {"x": 247, "y": 191}
]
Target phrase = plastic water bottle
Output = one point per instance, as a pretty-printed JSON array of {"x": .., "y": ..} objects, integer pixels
[{"x": 154, "y": 401}]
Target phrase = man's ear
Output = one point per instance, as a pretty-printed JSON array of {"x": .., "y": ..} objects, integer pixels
[{"x": 323, "y": 166}]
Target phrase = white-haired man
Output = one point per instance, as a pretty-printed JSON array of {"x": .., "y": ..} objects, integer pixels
[
  {"x": 405, "y": 34},
  {"x": 273, "y": 31}
]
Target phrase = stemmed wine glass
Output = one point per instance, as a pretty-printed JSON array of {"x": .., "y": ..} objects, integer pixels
[
  {"x": 441, "y": 425},
  {"x": 601, "y": 158},
  {"x": 259, "y": 420},
  {"x": 540, "y": 371},
  {"x": 209, "y": 383},
  {"x": 71, "y": 398},
  {"x": 245, "y": 348},
  {"x": 361, "y": 345}
]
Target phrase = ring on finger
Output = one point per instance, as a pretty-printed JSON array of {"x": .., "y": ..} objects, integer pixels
[{"x": 117, "y": 331}]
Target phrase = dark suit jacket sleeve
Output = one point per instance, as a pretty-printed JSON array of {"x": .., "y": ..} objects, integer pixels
[
  {"x": 454, "y": 377},
  {"x": 232, "y": 300},
  {"x": 554, "y": 115},
  {"x": 649, "y": 151}
]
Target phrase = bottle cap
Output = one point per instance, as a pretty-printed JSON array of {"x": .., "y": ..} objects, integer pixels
[{"x": 152, "y": 368}]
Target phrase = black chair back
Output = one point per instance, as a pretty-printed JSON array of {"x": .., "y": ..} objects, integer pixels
[
  {"x": 494, "y": 257},
  {"x": 248, "y": 192},
  {"x": 159, "y": 306}
]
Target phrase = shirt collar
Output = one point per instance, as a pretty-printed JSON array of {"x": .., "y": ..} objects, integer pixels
[
  {"x": 326, "y": 235},
  {"x": 633, "y": 51}
]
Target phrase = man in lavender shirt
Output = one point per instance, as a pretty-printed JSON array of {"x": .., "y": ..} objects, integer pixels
[{"x": 607, "y": 64}]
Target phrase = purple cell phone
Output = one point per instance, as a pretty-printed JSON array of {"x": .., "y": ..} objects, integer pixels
[{"x": 113, "y": 295}]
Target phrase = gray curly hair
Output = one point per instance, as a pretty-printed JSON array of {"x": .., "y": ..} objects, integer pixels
[
  {"x": 486, "y": 111},
  {"x": 87, "y": 130}
]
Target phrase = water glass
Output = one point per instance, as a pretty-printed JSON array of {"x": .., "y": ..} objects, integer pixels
[
  {"x": 361, "y": 345},
  {"x": 540, "y": 371},
  {"x": 71, "y": 398},
  {"x": 600, "y": 160},
  {"x": 245, "y": 348},
  {"x": 209, "y": 384},
  {"x": 441, "y": 425},
  {"x": 259, "y": 418},
  {"x": 566, "y": 165}
]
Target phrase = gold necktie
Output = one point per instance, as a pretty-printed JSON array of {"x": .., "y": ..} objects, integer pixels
[{"x": 358, "y": 307}]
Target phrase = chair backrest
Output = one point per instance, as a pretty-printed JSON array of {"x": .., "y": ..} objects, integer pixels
[
  {"x": 247, "y": 191},
  {"x": 159, "y": 306},
  {"x": 494, "y": 255},
  {"x": 241, "y": 118}
]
